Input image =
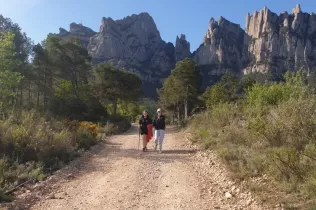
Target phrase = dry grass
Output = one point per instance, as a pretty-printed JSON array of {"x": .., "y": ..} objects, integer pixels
[
  {"x": 275, "y": 141},
  {"x": 31, "y": 146}
]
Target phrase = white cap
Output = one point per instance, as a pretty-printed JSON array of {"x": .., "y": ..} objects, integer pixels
[{"x": 159, "y": 110}]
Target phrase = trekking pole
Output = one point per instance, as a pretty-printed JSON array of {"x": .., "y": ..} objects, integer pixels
[{"x": 138, "y": 139}]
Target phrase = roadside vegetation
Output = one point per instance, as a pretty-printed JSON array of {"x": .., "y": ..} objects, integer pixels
[
  {"x": 54, "y": 104},
  {"x": 260, "y": 128}
]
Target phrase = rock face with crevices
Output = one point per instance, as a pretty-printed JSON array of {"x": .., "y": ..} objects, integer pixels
[
  {"x": 270, "y": 43},
  {"x": 78, "y": 30},
  {"x": 224, "y": 47},
  {"x": 182, "y": 48},
  {"x": 133, "y": 43},
  {"x": 279, "y": 43}
]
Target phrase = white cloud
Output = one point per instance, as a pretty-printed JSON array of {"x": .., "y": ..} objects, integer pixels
[{"x": 17, "y": 8}]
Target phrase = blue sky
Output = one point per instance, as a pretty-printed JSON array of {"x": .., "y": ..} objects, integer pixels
[{"x": 39, "y": 17}]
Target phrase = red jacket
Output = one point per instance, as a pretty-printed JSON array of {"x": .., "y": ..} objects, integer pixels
[{"x": 150, "y": 132}]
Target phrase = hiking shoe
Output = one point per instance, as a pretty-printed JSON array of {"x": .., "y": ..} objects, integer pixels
[
  {"x": 144, "y": 149},
  {"x": 156, "y": 146}
]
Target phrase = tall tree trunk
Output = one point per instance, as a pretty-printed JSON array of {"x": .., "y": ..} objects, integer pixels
[
  {"x": 115, "y": 106},
  {"x": 14, "y": 97},
  {"x": 185, "y": 109},
  {"x": 186, "y": 104}
]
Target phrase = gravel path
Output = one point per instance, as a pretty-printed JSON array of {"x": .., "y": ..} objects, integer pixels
[{"x": 115, "y": 175}]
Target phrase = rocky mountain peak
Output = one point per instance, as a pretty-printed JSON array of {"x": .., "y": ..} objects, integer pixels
[
  {"x": 181, "y": 38},
  {"x": 182, "y": 48},
  {"x": 222, "y": 44},
  {"x": 133, "y": 43},
  {"x": 77, "y": 30},
  {"x": 130, "y": 36},
  {"x": 217, "y": 28},
  {"x": 63, "y": 32},
  {"x": 260, "y": 22},
  {"x": 281, "y": 42},
  {"x": 270, "y": 43},
  {"x": 212, "y": 23},
  {"x": 222, "y": 48},
  {"x": 109, "y": 26},
  {"x": 297, "y": 9}
]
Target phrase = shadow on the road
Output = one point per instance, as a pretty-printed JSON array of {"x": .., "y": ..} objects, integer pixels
[
  {"x": 109, "y": 143},
  {"x": 167, "y": 156},
  {"x": 172, "y": 129},
  {"x": 109, "y": 148},
  {"x": 179, "y": 151},
  {"x": 134, "y": 130}
]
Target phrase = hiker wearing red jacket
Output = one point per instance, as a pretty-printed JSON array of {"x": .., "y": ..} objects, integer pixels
[{"x": 145, "y": 129}]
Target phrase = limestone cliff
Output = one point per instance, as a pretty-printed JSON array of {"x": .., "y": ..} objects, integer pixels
[
  {"x": 78, "y": 30},
  {"x": 182, "y": 48},
  {"x": 133, "y": 43},
  {"x": 223, "y": 48},
  {"x": 270, "y": 43},
  {"x": 279, "y": 43}
]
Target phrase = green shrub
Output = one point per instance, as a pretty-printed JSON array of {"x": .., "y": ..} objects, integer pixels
[
  {"x": 215, "y": 95},
  {"x": 271, "y": 94},
  {"x": 226, "y": 90},
  {"x": 32, "y": 145},
  {"x": 15, "y": 173},
  {"x": 269, "y": 131},
  {"x": 32, "y": 138},
  {"x": 268, "y": 94},
  {"x": 84, "y": 138},
  {"x": 114, "y": 126}
]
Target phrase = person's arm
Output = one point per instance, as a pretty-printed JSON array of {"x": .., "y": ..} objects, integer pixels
[
  {"x": 154, "y": 123},
  {"x": 164, "y": 122},
  {"x": 139, "y": 126}
]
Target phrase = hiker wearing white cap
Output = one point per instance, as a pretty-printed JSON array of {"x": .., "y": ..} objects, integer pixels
[{"x": 160, "y": 126}]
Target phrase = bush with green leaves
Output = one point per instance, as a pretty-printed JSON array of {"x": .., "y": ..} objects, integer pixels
[
  {"x": 226, "y": 90},
  {"x": 215, "y": 95},
  {"x": 84, "y": 138},
  {"x": 58, "y": 81},
  {"x": 31, "y": 145},
  {"x": 12, "y": 174},
  {"x": 271, "y": 131},
  {"x": 179, "y": 91}
]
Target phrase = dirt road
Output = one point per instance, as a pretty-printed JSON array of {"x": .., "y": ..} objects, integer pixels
[{"x": 117, "y": 176}]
